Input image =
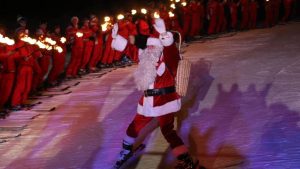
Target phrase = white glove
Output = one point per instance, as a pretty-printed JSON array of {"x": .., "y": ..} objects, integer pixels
[{"x": 115, "y": 30}]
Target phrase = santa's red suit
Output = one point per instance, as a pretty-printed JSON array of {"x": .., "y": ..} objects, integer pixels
[
  {"x": 76, "y": 42},
  {"x": 156, "y": 73},
  {"x": 7, "y": 73}
]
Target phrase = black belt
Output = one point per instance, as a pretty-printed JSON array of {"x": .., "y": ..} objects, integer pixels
[{"x": 161, "y": 91}]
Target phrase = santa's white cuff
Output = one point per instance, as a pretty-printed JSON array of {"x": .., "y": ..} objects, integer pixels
[{"x": 119, "y": 43}]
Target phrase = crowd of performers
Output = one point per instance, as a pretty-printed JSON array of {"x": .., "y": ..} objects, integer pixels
[{"x": 31, "y": 62}]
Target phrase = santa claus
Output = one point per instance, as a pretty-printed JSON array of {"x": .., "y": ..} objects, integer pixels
[{"x": 155, "y": 77}]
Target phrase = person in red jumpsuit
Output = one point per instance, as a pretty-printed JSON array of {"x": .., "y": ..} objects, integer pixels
[
  {"x": 233, "y": 6},
  {"x": 245, "y": 14},
  {"x": 88, "y": 45},
  {"x": 109, "y": 53},
  {"x": 124, "y": 32},
  {"x": 132, "y": 49},
  {"x": 98, "y": 45},
  {"x": 268, "y": 14},
  {"x": 288, "y": 4},
  {"x": 186, "y": 17},
  {"x": 7, "y": 72},
  {"x": 58, "y": 59},
  {"x": 253, "y": 6},
  {"x": 276, "y": 10},
  {"x": 222, "y": 22},
  {"x": 25, "y": 62},
  {"x": 212, "y": 14},
  {"x": 76, "y": 42},
  {"x": 195, "y": 18}
]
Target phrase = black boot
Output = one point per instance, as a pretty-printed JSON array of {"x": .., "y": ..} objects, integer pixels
[
  {"x": 125, "y": 154},
  {"x": 185, "y": 161}
]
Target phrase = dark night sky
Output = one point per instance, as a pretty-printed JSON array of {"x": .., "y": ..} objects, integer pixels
[{"x": 58, "y": 11}]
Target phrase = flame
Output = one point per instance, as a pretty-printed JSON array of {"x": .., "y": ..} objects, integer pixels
[
  {"x": 177, "y": 1},
  {"x": 173, "y": 6},
  {"x": 63, "y": 40},
  {"x": 106, "y": 19},
  {"x": 183, "y": 3},
  {"x": 104, "y": 27},
  {"x": 120, "y": 17},
  {"x": 50, "y": 41},
  {"x": 79, "y": 34},
  {"x": 41, "y": 45},
  {"x": 133, "y": 12},
  {"x": 144, "y": 11},
  {"x": 59, "y": 49},
  {"x": 156, "y": 15},
  {"x": 6, "y": 40},
  {"x": 171, "y": 14}
]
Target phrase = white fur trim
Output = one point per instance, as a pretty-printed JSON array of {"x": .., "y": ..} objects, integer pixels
[
  {"x": 149, "y": 111},
  {"x": 166, "y": 38},
  {"x": 161, "y": 69},
  {"x": 129, "y": 140},
  {"x": 119, "y": 43},
  {"x": 159, "y": 25},
  {"x": 154, "y": 42}
]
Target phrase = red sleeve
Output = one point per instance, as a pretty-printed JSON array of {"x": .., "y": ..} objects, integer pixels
[{"x": 171, "y": 58}]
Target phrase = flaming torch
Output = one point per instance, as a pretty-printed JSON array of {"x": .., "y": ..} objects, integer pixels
[
  {"x": 177, "y": 1},
  {"x": 63, "y": 40},
  {"x": 173, "y": 6},
  {"x": 106, "y": 19},
  {"x": 171, "y": 14},
  {"x": 144, "y": 11},
  {"x": 79, "y": 34},
  {"x": 6, "y": 40},
  {"x": 120, "y": 17},
  {"x": 183, "y": 4},
  {"x": 133, "y": 12},
  {"x": 156, "y": 15}
]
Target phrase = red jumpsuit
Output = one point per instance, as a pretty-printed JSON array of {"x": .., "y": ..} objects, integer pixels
[
  {"x": 88, "y": 46},
  {"x": 187, "y": 19},
  {"x": 268, "y": 14},
  {"x": 233, "y": 14},
  {"x": 276, "y": 9},
  {"x": 109, "y": 53},
  {"x": 23, "y": 83},
  {"x": 253, "y": 14},
  {"x": 7, "y": 73},
  {"x": 132, "y": 49},
  {"x": 58, "y": 60},
  {"x": 175, "y": 25},
  {"x": 196, "y": 17},
  {"x": 76, "y": 51},
  {"x": 287, "y": 9},
  {"x": 212, "y": 14},
  {"x": 222, "y": 23},
  {"x": 98, "y": 48},
  {"x": 245, "y": 14}
]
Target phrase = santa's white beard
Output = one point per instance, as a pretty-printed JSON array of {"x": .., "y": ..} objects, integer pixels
[{"x": 146, "y": 72}]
